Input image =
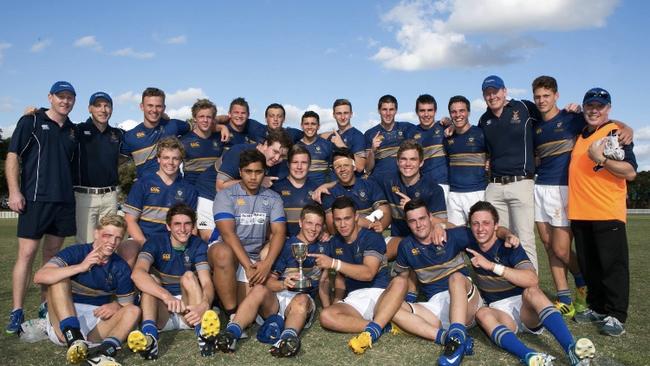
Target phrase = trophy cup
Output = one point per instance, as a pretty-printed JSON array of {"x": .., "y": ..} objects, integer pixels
[{"x": 299, "y": 251}]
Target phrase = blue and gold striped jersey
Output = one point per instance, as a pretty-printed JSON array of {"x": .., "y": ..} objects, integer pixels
[
  {"x": 554, "y": 140},
  {"x": 169, "y": 263},
  {"x": 386, "y": 154},
  {"x": 140, "y": 143},
  {"x": 435, "y": 158},
  {"x": 366, "y": 194},
  {"x": 467, "y": 155},
  {"x": 98, "y": 285},
  {"x": 294, "y": 199},
  {"x": 492, "y": 287},
  {"x": 200, "y": 154},
  {"x": 425, "y": 189},
  {"x": 321, "y": 160},
  {"x": 368, "y": 243},
  {"x": 150, "y": 199},
  {"x": 433, "y": 264}
]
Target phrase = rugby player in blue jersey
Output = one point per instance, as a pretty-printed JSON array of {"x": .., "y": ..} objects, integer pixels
[
  {"x": 297, "y": 188},
  {"x": 247, "y": 216},
  {"x": 81, "y": 280},
  {"x": 150, "y": 198},
  {"x": 347, "y": 136},
  {"x": 281, "y": 311},
  {"x": 366, "y": 194},
  {"x": 358, "y": 255},
  {"x": 203, "y": 146},
  {"x": 173, "y": 274},
  {"x": 319, "y": 149},
  {"x": 508, "y": 283},
  {"x": 383, "y": 140},
  {"x": 467, "y": 162}
]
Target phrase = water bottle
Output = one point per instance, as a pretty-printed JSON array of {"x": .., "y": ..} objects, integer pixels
[{"x": 34, "y": 330}]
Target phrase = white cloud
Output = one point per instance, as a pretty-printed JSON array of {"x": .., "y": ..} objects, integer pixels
[
  {"x": 182, "y": 113},
  {"x": 517, "y": 92},
  {"x": 181, "y": 39},
  {"x": 40, "y": 45},
  {"x": 3, "y": 46},
  {"x": 407, "y": 117},
  {"x": 642, "y": 155},
  {"x": 130, "y": 52},
  {"x": 128, "y": 97},
  {"x": 478, "y": 106},
  {"x": 433, "y": 33},
  {"x": 183, "y": 97},
  {"x": 642, "y": 134},
  {"x": 88, "y": 42},
  {"x": 128, "y": 124}
]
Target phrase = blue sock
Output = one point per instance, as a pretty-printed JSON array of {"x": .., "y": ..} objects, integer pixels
[
  {"x": 458, "y": 330},
  {"x": 375, "y": 331},
  {"x": 506, "y": 339},
  {"x": 411, "y": 297},
  {"x": 552, "y": 320},
  {"x": 441, "y": 336},
  {"x": 69, "y": 322},
  {"x": 235, "y": 329},
  {"x": 289, "y": 332},
  {"x": 149, "y": 327},
  {"x": 564, "y": 296},
  {"x": 111, "y": 344},
  {"x": 579, "y": 280}
]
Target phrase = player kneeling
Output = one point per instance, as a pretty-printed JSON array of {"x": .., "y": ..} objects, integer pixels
[
  {"x": 81, "y": 280},
  {"x": 508, "y": 283},
  {"x": 282, "y": 311},
  {"x": 178, "y": 292}
]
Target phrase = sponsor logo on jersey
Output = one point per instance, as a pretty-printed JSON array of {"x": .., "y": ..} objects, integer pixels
[
  {"x": 286, "y": 193},
  {"x": 417, "y": 136},
  {"x": 415, "y": 251},
  {"x": 166, "y": 257},
  {"x": 240, "y": 202},
  {"x": 140, "y": 134},
  {"x": 154, "y": 189},
  {"x": 515, "y": 117},
  {"x": 195, "y": 144},
  {"x": 339, "y": 251}
]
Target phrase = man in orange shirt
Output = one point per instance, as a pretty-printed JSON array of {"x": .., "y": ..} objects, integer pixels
[{"x": 597, "y": 194}]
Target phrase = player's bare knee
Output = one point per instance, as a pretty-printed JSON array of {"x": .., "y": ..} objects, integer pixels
[
  {"x": 532, "y": 294},
  {"x": 220, "y": 255},
  {"x": 300, "y": 305},
  {"x": 188, "y": 280},
  {"x": 131, "y": 313},
  {"x": 328, "y": 318},
  {"x": 483, "y": 314}
]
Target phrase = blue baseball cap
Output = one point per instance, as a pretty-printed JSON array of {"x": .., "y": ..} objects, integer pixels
[
  {"x": 61, "y": 86},
  {"x": 599, "y": 95},
  {"x": 99, "y": 95},
  {"x": 493, "y": 81}
]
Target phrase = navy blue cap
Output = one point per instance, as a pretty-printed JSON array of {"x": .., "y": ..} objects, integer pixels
[
  {"x": 599, "y": 95},
  {"x": 98, "y": 95},
  {"x": 60, "y": 86},
  {"x": 493, "y": 81}
]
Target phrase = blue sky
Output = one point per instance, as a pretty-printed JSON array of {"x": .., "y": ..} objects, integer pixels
[{"x": 305, "y": 54}]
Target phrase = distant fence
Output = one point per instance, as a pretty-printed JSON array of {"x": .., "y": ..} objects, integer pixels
[{"x": 8, "y": 215}]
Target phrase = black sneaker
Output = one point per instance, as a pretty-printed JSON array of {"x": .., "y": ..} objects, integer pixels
[
  {"x": 226, "y": 342},
  {"x": 287, "y": 347}
]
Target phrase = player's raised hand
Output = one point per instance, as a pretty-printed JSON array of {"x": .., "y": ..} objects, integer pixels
[
  {"x": 93, "y": 258},
  {"x": 376, "y": 141},
  {"x": 479, "y": 261},
  {"x": 438, "y": 235},
  {"x": 317, "y": 194},
  {"x": 322, "y": 261},
  {"x": 337, "y": 140},
  {"x": 225, "y": 134},
  {"x": 512, "y": 241},
  {"x": 268, "y": 181},
  {"x": 404, "y": 199}
]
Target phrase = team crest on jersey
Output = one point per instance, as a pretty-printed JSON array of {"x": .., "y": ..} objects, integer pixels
[
  {"x": 339, "y": 251},
  {"x": 538, "y": 131},
  {"x": 195, "y": 144},
  {"x": 450, "y": 141},
  {"x": 363, "y": 195},
  {"x": 179, "y": 195},
  {"x": 488, "y": 122},
  {"x": 317, "y": 148},
  {"x": 87, "y": 133},
  {"x": 559, "y": 124},
  {"x": 265, "y": 202},
  {"x": 166, "y": 257},
  {"x": 215, "y": 144},
  {"x": 470, "y": 140},
  {"x": 114, "y": 137},
  {"x": 436, "y": 132},
  {"x": 154, "y": 189},
  {"x": 71, "y": 134},
  {"x": 515, "y": 117},
  {"x": 240, "y": 202},
  {"x": 286, "y": 193},
  {"x": 140, "y": 134},
  {"x": 417, "y": 194},
  {"x": 394, "y": 189},
  {"x": 417, "y": 136},
  {"x": 400, "y": 133},
  {"x": 45, "y": 127},
  {"x": 415, "y": 251}
]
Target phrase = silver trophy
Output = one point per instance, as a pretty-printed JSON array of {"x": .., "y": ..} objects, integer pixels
[{"x": 299, "y": 251}]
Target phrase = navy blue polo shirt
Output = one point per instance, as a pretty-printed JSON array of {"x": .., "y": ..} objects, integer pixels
[
  {"x": 509, "y": 138},
  {"x": 46, "y": 151},
  {"x": 96, "y": 161}
]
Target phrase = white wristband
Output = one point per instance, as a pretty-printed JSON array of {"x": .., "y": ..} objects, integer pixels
[
  {"x": 333, "y": 264},
  {"x": 499, "y": 269},
  {"x": 338, "y": 265}
]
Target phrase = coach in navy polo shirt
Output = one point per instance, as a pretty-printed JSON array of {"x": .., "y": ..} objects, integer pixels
[
  {"x": 508, "y": 128},
  {"x": 95, "y": 164},
  {"x": 39, "y": 177}
]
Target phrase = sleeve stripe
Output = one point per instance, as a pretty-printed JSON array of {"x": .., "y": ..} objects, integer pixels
[{"x": 223, "y": 216}]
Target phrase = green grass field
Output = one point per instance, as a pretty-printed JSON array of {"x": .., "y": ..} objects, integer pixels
[{"x": 320, "y": 347}]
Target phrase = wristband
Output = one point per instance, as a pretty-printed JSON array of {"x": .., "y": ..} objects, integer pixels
[
  {"x": 499, "y": 269},
  {"x": 333, "y": 264},
  {"x": 338, "y": 265}
]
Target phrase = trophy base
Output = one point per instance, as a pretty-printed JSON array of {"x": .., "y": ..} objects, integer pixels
[
  {"x": 303, "y": 286},
  {"x": 303, "y": 290}
]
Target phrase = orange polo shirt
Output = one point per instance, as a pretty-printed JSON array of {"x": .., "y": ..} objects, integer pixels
[{"x": 594, "y": 195}]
